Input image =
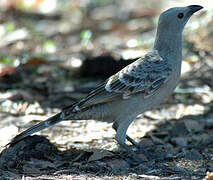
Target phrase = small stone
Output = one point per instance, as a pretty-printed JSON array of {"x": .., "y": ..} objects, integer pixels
[
  {"x": 193, "y": 126},
  {"x": 179, "y": 141},
  {"x": 179, "y": 128},
  {"x": 194, "y": 155},
  {"x": 169, "y": 156},
  {"x": 209, "y": 122},
  {"x": 146, "y": 142}
]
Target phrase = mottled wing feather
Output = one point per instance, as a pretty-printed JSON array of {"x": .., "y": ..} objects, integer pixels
[
  {"x": 98, "y": 96},
  {"x": 145, "y": 75}
]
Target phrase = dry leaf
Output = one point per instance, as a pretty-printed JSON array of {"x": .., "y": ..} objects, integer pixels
[
  {"x": 35, "y": 166},
  {"x": 209, "y": 176},
  {"x": 98, "y": 154}
]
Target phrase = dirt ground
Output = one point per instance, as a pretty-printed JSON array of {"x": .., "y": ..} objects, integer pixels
[{"x": 58, "y": 58}]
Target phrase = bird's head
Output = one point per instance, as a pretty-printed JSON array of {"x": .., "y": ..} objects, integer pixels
[{"x": 174, "y": 19}]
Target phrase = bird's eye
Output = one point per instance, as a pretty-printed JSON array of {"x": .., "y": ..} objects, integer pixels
[{"x": 180, "y": 15}]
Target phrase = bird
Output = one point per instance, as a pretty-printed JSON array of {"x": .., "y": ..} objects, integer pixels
[{"x": 136, "y": 88}]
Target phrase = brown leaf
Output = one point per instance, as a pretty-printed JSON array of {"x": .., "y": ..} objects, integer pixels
[
  {"x": 98, "y": 154},
  {"x": 35, "y": 61},
  {"x": 143, "y": 157},
  {"x": 156, "y": 139},
  {"x": 118, "y": 165},
  {"x": 7, "y": 70}
]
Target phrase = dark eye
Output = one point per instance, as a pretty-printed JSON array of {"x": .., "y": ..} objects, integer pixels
[{"x": 180, "y": 15}]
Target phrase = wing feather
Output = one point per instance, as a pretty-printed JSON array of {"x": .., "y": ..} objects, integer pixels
[{"x": 145, "y": 75}]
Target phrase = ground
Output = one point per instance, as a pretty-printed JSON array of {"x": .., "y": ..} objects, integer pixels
[{"x": 48, "y": 68}]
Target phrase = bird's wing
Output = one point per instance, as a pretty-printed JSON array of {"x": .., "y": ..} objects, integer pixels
[{"x": 145, "y": 76}]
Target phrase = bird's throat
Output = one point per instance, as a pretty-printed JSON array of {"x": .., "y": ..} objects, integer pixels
[{"x": 168, "y": 42}]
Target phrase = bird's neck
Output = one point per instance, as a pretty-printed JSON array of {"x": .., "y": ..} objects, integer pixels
[{"x": 167, "y": 42}]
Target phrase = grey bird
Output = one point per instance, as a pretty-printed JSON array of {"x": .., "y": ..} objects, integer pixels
[{"x": 136, "y": 88}]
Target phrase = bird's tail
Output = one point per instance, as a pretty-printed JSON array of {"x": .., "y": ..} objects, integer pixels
[{"x": 38, "y": 127}]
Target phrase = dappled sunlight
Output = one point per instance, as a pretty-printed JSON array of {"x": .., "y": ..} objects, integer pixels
[{"x": 53, "y": 53}]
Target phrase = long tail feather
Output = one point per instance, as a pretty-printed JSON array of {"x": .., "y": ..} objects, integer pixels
[{"x": 38, "y": 127}]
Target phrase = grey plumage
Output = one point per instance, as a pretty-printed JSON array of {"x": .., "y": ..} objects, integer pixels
[{"x": 136, "y": 88}]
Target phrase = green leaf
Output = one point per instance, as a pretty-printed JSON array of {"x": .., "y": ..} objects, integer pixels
[
  {"x": 86, "y": 36},
  {"x": 7, "y": 60},
  {"x": 10, "y": 26}
]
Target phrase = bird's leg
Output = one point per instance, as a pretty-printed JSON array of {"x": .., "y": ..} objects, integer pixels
[
  {"x": 115, "y": 127},
  {"x": 121, "y": 138},
  {"x": 133, "y": 142}
]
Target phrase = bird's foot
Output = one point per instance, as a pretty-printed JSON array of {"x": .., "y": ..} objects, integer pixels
[
  {"x": 132, "y": 154},
  {"x": 133, "y": 142},
  {"x": 137, "y": 145}
]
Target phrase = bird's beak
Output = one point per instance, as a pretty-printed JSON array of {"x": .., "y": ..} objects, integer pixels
[{"x": 194, "y": 8}]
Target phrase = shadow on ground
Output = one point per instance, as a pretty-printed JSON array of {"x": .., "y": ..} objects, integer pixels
[{"x": 174, "y": 148}]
